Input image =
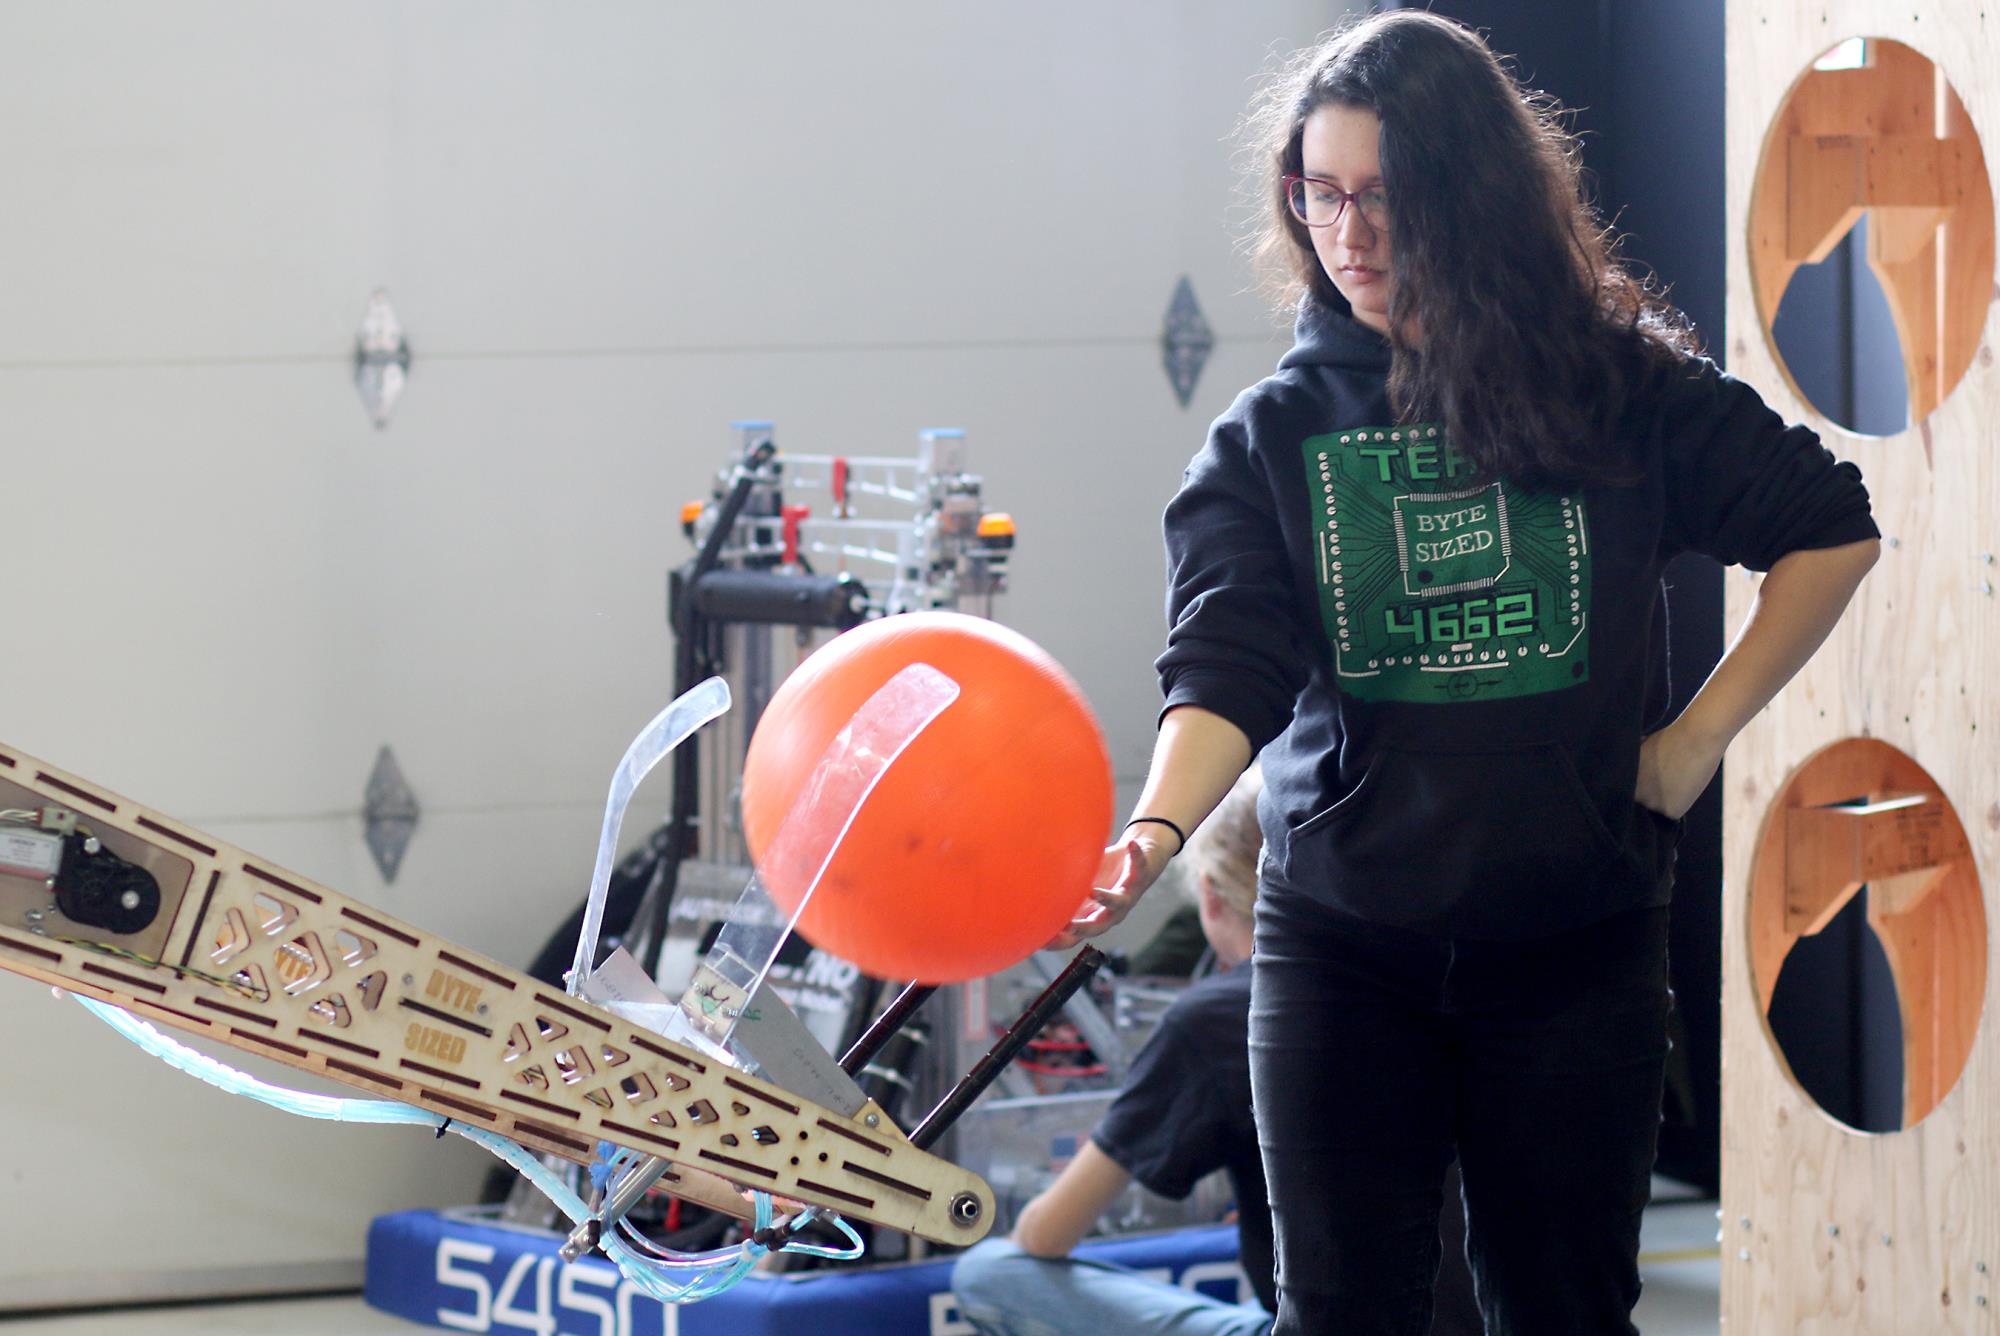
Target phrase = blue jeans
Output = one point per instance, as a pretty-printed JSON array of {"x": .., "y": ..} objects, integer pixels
[
  {"x": 1376, "y": 1052},
  {"x": 1003, "y": 1291}
]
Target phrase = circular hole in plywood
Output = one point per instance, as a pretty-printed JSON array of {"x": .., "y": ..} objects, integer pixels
[
  {"x": 1867, "y": 935},
  {"x": 1871, "y": 236}
]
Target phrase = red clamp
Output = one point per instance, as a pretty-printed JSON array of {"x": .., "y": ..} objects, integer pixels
[
  {"x": 840, "y": 486},
  {"x": 793, "y": 516}
]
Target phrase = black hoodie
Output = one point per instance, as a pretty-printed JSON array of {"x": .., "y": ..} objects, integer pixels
[{"x": 1449, "y": 682}]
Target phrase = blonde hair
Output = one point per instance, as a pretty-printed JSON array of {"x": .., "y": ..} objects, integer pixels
[{"x": 1225, "y": 847}]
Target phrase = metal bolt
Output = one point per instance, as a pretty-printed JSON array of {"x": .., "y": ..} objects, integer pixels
[
  {"x": 34, "y": 916},
  {"x": 1745, "y": 1222},
  {"x": 1742, "y": 1254},
  {"x": 1986, "y": 558},
  {"x": 873, "y": 1120},
  {"x": 409, "y": 979},
  {"x": 482, "y": 1008},
  {"x": 1833, "y": 1231},
  {"x": 92, "y": 844},
  {"x": 1980, "y": 1267},
  {"x": 965, "y": 1210},
  {"x": 1981, "y": 1301},
  {"x": 1888, "y": 1242},
  {"x": 129, "y": 900},
  {"x": 1895, "y": 542},
  {"x": 38, "y": 930}
]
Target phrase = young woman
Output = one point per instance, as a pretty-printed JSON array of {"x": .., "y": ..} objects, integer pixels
[{"x": 1417, "y": 570}]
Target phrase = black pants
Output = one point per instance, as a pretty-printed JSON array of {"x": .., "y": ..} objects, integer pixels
[{"x": 1374, "y": 1052}]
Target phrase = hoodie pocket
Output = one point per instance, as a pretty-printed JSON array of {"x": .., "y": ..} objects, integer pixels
[
  {"x": 1666, "y": 837},
  {"x": 1465, "y": 842}
]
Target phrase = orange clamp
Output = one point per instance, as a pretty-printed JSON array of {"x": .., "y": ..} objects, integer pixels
[{"x": 793, "y": 516}]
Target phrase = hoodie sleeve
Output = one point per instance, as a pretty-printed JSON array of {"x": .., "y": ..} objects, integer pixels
[
  {"x": 1232, "y": 642},
  {"x": 1742, "y": 485}
]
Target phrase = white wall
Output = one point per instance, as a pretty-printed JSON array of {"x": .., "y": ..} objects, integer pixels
[{"x": 610, "y": 228}]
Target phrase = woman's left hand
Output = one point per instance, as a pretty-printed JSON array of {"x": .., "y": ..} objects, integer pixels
[{"x": 1674, "y": 767}]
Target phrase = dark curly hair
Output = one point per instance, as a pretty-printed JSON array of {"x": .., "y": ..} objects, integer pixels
[{"x": 1511, "y": 319}]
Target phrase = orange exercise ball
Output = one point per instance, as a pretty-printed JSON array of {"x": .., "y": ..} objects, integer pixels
[{"x": 980, "y": 840}]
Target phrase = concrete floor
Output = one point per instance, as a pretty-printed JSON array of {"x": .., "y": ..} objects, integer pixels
[{"x": 1682, "y": 1270}]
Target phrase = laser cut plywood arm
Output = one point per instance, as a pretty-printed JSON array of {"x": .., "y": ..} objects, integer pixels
[{"x": 261, "y": 959}]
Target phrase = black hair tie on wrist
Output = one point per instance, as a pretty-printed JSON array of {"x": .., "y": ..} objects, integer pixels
[{"x": 1179, "y": 834}]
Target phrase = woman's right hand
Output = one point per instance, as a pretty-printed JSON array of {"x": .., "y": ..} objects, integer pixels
[
  {"x": 1198, "y": 756},
  {"x": 1128, "y": 868}
]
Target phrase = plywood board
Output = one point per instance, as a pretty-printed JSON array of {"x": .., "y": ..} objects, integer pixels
[{"x": 1826, "y": 1229}]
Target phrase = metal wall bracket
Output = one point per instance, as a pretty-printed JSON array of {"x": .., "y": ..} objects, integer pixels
[
  {"x": 389, "y": 813},
  {"x": 1186, "y": 341},
  {"x": 381, "y": 359}
]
